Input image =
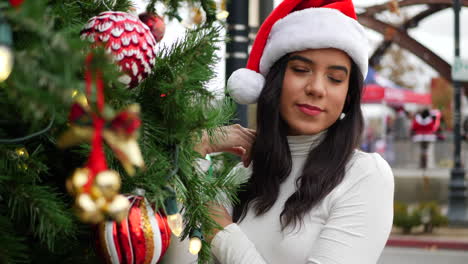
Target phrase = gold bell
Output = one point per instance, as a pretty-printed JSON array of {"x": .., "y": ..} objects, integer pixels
[
  {"x": 77, "y": 181},
  {"x": 87, "y": 209},
  {"x": 118, "y": 208},
  {"x": 108, "y": 182}
]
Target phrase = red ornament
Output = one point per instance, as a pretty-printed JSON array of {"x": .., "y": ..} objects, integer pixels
[
  {"x": 155, "y": 23},
  {"x": 128, "y": 39},
  {"x": 16, "y": 3},
  {"x": 142, "y": 237}
]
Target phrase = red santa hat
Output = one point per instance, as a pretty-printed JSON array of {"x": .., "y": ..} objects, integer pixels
[{"x": 297, "y": 25}]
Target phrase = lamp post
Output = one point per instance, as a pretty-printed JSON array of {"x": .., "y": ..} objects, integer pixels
[
  {"x": 237, "y": 47},
  {"x": 265, "y": 9},
  {"x": 457, "y": 211}
]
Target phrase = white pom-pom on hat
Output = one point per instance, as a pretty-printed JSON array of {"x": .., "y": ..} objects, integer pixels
[{"x": 245, "y": 85}]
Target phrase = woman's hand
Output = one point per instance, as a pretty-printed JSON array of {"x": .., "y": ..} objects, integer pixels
[
  {"x": 220, "y": 215},
  {"x": 234, "y": 139}
]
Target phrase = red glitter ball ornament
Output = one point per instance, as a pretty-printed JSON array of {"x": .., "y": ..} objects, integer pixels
[
  {"x": 16, "y": 3},
  {"x": 128, "y": 39},
  {"x": 142, "y": 237},
  {"x": 155, "y": 23}
]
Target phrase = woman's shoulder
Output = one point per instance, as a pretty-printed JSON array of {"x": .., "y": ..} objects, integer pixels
[{"x": 363, "y": 165}]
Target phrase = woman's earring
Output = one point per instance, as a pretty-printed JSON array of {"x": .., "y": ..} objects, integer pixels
[{"x": 342, "y": 116}]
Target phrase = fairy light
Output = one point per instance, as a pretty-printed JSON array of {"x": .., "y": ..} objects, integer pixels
[
  {"x": 22, "y": 152},
  {"x": 6, "y": 54},
  {"x": 195, "y": 243},
  {"x": 174, "y": 219}
]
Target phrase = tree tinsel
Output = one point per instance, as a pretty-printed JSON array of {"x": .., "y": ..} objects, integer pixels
[{"x": 37, "y": 224}]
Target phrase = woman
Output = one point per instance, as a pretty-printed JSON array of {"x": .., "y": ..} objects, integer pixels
[{"x": 311, "y": 196}]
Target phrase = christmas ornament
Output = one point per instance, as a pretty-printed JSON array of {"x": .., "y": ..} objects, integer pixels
[
  {"x": 6, "y": 53},
  {"x": 155, "y": 23},
  {"x": 96, "y": 188},
  {"x": 120, "y": 132},
  {"x": 128, "y": 39},
  {"x": 16, "y": 3},
  {"x": 142, "y": 237},
  {"x": 197, "y": 16}
]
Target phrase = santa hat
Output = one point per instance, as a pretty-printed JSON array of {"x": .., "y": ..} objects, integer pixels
[{"x": 297, "y": 25}]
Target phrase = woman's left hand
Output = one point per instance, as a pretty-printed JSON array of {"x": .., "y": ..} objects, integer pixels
[{"x": 221, "y": 216}]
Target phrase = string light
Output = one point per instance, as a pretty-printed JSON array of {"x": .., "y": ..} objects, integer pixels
[
  {"x": 22, "y": 152},
  {"x": 195, "y": 243},
  {"x": 174, "y": 219},
  {"x": 6, "y": 54}
]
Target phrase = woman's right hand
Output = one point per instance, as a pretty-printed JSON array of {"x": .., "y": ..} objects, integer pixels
[{"x": 234, "y": 139}]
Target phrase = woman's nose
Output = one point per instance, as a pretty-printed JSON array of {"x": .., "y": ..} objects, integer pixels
[{"x": 316, "y": 86}]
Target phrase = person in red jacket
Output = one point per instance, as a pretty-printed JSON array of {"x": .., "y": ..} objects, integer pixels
[{"x": 424, "y": 130}]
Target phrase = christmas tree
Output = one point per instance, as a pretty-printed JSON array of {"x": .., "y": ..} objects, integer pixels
[{"x": 68, "y": 89}]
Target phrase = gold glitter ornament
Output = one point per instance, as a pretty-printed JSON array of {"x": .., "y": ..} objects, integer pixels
[
  {"x": 77, "y": 181},
  {"x": 118, "y": 208},
  {"x": 108, "y": 182},
  {"x": 87, "y": 210}
]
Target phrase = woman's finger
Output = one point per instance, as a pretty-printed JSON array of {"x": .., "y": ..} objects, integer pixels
[{"x": 239, "y": 151}]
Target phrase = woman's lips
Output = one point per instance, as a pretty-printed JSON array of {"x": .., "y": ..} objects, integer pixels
[{"x": 310, "y": 109}]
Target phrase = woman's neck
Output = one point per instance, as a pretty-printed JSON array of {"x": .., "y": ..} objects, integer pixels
[{"x": 302, "y": 145}]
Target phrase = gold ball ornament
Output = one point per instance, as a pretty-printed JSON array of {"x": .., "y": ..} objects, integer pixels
[
  {"x": 197, "y": 16},
  {"x": 118, "y": 208},
  {"x": 87, "y": 210},
  {"x": 108, "y": 182},
  {"x": 77, "y": 181}
]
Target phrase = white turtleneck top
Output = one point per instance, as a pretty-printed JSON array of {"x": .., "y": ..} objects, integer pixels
[{"x": 349, "y": 226}]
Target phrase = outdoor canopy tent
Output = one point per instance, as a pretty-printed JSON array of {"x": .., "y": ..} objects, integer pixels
[
  {"x": 380, "y": 90},
  {"x": 374, "y": 93}
]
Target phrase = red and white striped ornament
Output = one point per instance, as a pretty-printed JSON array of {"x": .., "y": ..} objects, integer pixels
[
  {"x": 142, "y": 238},
  {"x": 129, "y": 40}
]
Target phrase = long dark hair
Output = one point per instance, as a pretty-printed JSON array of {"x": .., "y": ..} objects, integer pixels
[{"x": 325, "y": 166}]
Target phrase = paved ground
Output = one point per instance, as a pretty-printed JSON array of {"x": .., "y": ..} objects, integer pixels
[
  {"x": 393, "y": 255},
  {"x": 440, "y": 173}
]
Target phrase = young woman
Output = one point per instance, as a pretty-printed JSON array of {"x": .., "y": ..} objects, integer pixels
[{"x": 311, "y": 196}]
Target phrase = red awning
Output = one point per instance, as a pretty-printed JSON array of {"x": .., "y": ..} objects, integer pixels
[{"x": 374, "y": 93}]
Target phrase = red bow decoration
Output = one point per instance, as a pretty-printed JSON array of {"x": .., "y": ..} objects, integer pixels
[
  {"x": 120, "y": 132},
  {"x": 96, "y": 188}
]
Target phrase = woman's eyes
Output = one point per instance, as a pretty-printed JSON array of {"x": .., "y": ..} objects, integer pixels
[
  {"x": 306, "y": 70},
  {"x": 334, "y": 79},
  {"x": 297, "y": 69}
]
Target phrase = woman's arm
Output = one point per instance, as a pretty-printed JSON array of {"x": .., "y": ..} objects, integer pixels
[{"x": 361, "y": 215}]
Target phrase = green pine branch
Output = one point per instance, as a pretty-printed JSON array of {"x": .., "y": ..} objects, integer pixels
[
  {"x": 176, "y": 108},
  {"x": 12, "y": 246},
  {"x": 49, "y": 218}
]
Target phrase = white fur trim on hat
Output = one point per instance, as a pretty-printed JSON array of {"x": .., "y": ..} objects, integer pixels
[
  {"x": 245, "y": 85},
  {"x": 316, "y": 28}
]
